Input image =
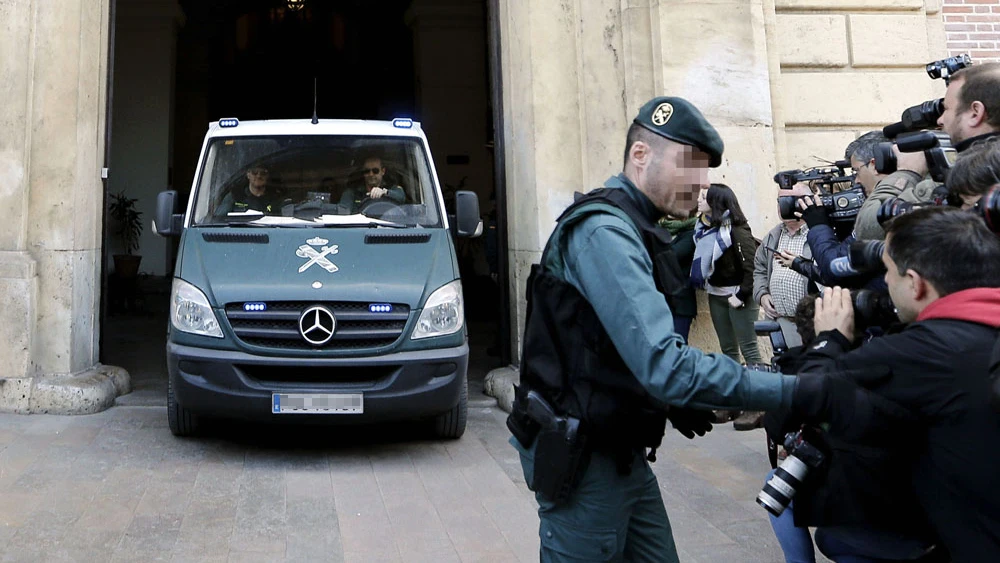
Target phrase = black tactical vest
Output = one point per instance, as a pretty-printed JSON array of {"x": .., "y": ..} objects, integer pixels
[{"x": 567, "y": 355}]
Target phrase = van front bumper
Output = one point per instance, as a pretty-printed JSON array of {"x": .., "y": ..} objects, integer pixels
[{"x": 399, "y": 386}]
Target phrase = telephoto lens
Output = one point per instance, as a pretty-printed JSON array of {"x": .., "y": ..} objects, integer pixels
[{"x": 782, "y": 486}]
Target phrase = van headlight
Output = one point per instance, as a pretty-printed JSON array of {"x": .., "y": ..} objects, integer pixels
[
  {"x": 190, "y": 311},
  {"x": 443, "y": 313}
]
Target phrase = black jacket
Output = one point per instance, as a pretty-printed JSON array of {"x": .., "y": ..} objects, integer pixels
[
  {"x": 938, "y": 369},
  {"x": 735, "y": 265},
  {"x": 859, "y": 484}
]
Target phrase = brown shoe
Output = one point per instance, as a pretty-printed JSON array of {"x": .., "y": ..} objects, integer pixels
[
  {"x": 725, "y": 416},
  {"x": 749, "y": 420}
]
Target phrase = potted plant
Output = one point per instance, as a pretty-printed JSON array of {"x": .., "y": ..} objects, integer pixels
[{"x": 128, "y": 228}]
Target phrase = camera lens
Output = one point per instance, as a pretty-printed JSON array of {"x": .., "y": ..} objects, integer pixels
[
  {"x": 885, "y": 159},
  {"x": 786, "y": 206},
  {"x": 780, "y": 488},
  {"x": 989, "y": 209},
  {"x": 873, "y": 308}
]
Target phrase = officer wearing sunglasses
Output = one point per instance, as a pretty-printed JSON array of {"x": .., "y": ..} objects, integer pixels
[
  {"x": 256, "y": 196},
  {"x": 373, "y": 173}
]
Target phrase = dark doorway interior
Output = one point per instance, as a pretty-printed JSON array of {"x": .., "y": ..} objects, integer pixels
[{"x": 260, "y": 59}]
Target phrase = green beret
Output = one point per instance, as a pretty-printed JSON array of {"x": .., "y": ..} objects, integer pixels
[{"x": 678, "y": 120}]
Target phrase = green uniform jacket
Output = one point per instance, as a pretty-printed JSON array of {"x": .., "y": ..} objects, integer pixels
[{"x": 605, "y": 260}]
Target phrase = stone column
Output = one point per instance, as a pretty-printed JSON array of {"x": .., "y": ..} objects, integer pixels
[
  {"x": 53, "y": 70},
  {"x": 18, "y": 281}
]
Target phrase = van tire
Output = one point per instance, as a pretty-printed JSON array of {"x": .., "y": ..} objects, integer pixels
[
  {"x": 451, "y": 425},
  {"x": 182, "y": 422}
]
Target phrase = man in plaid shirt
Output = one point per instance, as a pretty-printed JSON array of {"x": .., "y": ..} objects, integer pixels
[{"x": 779, "y": 289}]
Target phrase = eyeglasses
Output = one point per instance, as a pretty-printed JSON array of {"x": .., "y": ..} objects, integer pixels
[
  {"x": 259, "y": 172},
  {"x": 371, "y": 170}
]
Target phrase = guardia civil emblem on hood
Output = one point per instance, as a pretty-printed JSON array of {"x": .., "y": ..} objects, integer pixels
[{"x": 318, "y": 257}]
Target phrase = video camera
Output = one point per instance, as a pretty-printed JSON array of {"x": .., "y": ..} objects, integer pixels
[
  {"x": 909, "y": 132},
  {"x": 926, "y": 114},
  {"x": 988, "y": 207},
  {"x": 841, "y": 204},
  {"x": 937, "y": 148}
]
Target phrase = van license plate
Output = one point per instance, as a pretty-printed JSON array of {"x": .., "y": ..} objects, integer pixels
[{"x": 317, "y": 403}]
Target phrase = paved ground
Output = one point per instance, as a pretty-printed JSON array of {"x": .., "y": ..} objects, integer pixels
[{"x": 117, "y": 486}]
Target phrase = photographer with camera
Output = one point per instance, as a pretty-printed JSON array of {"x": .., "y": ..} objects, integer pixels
[
  {"x": 969, "y": 114},
  {"x": 943, "y": 273}
]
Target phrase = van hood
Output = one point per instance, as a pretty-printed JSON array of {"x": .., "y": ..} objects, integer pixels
[{"x": 236, "y": 265}]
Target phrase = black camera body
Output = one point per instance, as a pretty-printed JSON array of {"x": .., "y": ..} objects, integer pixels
[
  {"x": 937, "y": 148},
  {"x": 841, "y": 206},
  {"x": 944, "y": 68},
  {"x": 803, "y": 457},
  {"x": 823, "y": 176}
]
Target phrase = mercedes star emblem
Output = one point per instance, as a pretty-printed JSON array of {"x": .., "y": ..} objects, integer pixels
[{"x": 317, "y": 324}]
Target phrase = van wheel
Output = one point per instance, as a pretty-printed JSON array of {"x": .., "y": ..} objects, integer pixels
[
  {"x": 452, "y": 423},
  {"x": 182, "y": 422}
]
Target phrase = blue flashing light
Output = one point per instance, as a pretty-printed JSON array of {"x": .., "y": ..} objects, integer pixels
[
  {"x": 402, "y": 122},
  {"x": 380, "y": 308},
  {"x": 254, "y": 307},
  {"x": 229, "y": 122}
]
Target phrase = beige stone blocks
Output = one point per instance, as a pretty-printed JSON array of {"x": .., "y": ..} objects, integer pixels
[
  {"x": 18, "y": 292},
  {"x": 888, "y": 40},
  {"x": 714, "y": 54},
  {"x": 849, "y": 4},
  {"x": 837, "y": 99},
  {"x": 812, "y": 40},
  {"x": 66, "y": 317},
  {"x": 748, "y": 168},
  {"x": 808, "y": 147}
]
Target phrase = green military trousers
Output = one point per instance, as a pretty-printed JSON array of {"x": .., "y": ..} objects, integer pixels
[{"x": 610, "y": 517}]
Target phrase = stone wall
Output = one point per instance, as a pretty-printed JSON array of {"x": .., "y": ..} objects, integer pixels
[
  {"x": 973, "y": 26},
  {"x": 786, "y": 82},
  {"x": 847, "y": 67}
]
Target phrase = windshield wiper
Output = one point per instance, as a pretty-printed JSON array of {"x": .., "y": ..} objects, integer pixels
[
  {"x": 232, "y": 224},
  {"x": 391, "y": 225}
]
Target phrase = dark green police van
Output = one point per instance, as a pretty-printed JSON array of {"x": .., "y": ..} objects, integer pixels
[{"x": 316, "y": 278}]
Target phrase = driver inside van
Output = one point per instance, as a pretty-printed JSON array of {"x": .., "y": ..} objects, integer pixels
[
  {"x": 256, "y": 196},
  {"x": 375, "y": 186}
]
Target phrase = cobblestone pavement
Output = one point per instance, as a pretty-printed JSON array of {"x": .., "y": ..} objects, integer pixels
[{"x": 117, "y": 486}]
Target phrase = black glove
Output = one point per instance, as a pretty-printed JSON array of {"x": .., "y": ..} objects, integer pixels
[
  {"x": 852, "y": 412},
  {"x": 690, "y": 421},
  {"x": 815, "y": 215}
]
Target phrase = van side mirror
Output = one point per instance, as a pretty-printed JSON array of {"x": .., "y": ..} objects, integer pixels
[
  {"x": 166, "y": 223},
  {"x": 467, "y": 214}
]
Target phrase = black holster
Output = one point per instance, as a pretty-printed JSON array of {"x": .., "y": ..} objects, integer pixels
[{"x": 561, "y": 450}]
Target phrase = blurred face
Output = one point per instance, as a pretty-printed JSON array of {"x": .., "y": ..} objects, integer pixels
[
  {"x": 373, "y": 172},
  {"x": 969, "y": 201},
  {"x": 901, "y": 288},
  {"x": 703, "y": 201},
  {"x": 951, "y": 120},
  {"x": 258, "y": 178},
  {"x": 866, "y": 175},
  {"x": 674, "y": 176}
]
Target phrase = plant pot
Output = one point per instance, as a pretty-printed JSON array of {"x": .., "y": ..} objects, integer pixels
[{"x": 127, "y": 265}]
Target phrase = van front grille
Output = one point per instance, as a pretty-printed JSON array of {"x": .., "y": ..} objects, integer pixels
[{"x": 277, "y": 325}]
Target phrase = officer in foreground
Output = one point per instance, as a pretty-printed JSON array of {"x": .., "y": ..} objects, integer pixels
[{"x": 602, "y": 369}]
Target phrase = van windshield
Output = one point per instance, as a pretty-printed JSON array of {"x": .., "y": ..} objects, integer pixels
[{"x": 316, "y": 180}]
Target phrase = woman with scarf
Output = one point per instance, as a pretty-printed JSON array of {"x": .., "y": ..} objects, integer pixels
[{"x": 723, "y": 267}]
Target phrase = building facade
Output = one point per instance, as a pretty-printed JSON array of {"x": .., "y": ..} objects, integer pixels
[{"x": 788, "y": 83}]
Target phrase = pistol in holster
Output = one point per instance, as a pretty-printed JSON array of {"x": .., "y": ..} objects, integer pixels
[{"x": 561, "y": 452}]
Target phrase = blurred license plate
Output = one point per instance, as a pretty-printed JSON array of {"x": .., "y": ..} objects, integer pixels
[{"x": 317, "y": 403}]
